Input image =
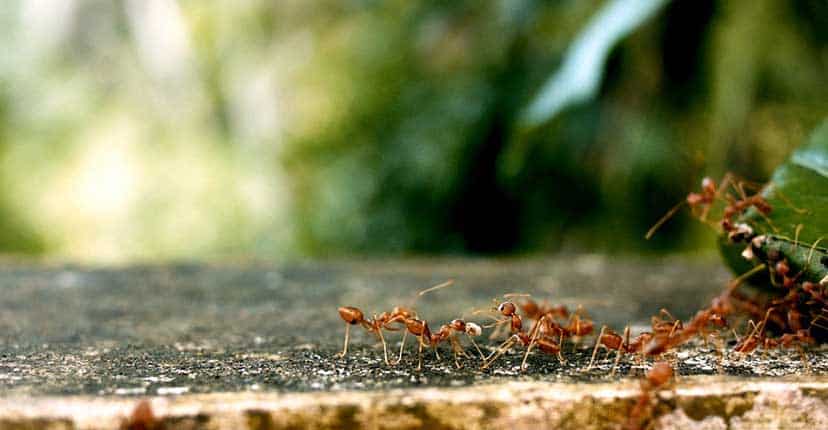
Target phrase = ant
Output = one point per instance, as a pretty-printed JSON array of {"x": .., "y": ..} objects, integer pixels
[
  {"x": 657, "y": 377},
  {"x": 612, "y": 341},
  {"x": 354, "y": 316},
  {"x": 399, "y": 315},
  {"x": 534, "y": 338},
  {"x": 426, "y": 338},
  {"x": 755, "y": 338},
  {"x": 710, "y": 192},
  {"x": 705, "y": 199}
]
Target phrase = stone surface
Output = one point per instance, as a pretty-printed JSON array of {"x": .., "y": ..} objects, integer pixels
[{"x": 214, "y": 345}]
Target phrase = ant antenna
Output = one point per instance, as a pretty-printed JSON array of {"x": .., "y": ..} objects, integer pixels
[
  {"x": 744, "y": 276},
  {"x": 788, "y": 202},
  {"x": 798, "y": 230},
  {"x": 509, "y": 295},
  {"x": 811, "y": 252},
  {"x": 664, "y": 219},
  {"x": 448, "y": 283}
]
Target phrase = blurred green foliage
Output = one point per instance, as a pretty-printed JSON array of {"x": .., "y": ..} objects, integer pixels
[{"x": 162, "y": 129}]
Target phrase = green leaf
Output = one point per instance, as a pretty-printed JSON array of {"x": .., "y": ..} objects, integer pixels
[
  {"x": 582, "y": 70},
  {"x": 797, "y": 227}
]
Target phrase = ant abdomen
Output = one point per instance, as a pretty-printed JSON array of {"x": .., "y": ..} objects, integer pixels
[{"x": 548, "y": 346}]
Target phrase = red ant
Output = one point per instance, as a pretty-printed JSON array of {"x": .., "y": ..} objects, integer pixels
[
  {"x": 748, "y": 344},
  {"x": 658, "y": 376},
  {"x": 612, "y": 341},
  {"x": 420, "y": 329},
  {"x": 708, "y": 195},
  {"x": 376, "y": 325},
  {"x": 534, "y": 338},
  {"x": 715, "y": 316}
]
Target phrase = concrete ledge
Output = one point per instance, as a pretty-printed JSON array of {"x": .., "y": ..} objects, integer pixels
[{"x": 701, "y": 402}]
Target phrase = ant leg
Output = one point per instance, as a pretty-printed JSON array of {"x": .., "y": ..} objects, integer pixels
[
  {"x": 805, "y": 363},
  {"x": 788, "y": 202},
  {"x": 482, "y": 357},
  {"x": 703, "y": 334},
  {"x": 561, "y": 358},
  {"x": 597, "y": 344},
  {"x": 402, "y": 345},
  {"x": 719, "y": 342},
  {"x": 384, "y": 346},
  {"x": 456, "y": 349},
  {"x": 619, "y": 352},
  {"x": 500, "y": 350},
  {"x": 437, "y": 353},
  {"x": 673, "y": 330},
  {"x": 768, "y": 220},
  {"x": 498, "y": 326},
  {"x": 532, "y": 341},
  {"x": 420, "y": 354},
  {"x": 664, "y": 219},
  {"x": 347, "y": 338}
]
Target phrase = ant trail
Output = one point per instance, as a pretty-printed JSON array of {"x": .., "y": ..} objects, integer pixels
[{"x": 664, "y": 219}]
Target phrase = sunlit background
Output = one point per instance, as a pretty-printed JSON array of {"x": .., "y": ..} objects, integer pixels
[{"x": 151, "y": 130}]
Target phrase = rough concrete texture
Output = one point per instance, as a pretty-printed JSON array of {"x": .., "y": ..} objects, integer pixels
[{"x": 254, "y": 346}]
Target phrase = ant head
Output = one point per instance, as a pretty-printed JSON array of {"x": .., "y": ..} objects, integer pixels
[
  {"x": 458, "y": 325},
  {"x": 473, "y": 329},
  {"x": 507, "y": 308},
  {"x": 708, "y": 185},
  {"x": 351, "y": 315}
]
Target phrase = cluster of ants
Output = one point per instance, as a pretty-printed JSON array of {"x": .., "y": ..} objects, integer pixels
[
  {"x": 547, "y": 331},
  {"x": 797, "y": 315},
  {"x": 796, "y": 312},
  {"x": 794, "y": 315}
]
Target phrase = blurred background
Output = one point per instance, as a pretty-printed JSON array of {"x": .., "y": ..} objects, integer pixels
[{"x": 176, "y": 130}]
